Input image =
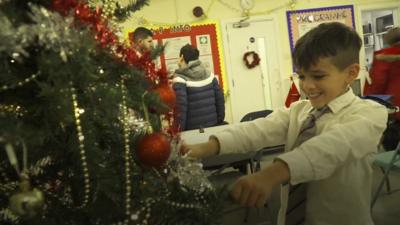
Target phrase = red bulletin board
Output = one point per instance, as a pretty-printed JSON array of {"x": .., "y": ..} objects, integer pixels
[{"x": 204, "y": 36}]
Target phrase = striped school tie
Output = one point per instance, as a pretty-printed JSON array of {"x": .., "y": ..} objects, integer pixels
[{"x": 295, "y": 213}]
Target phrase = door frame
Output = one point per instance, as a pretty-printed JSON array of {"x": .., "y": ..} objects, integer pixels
[{"x": 227, "y": 60}]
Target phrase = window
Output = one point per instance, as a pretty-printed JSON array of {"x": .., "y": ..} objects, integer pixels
[{"x": 383, "y": 23}]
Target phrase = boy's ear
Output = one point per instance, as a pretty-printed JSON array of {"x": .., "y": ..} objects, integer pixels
[{"x": 353, "y": 71}]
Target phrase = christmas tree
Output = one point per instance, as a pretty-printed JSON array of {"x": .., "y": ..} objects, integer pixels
[{"x": 84, "y": 123}]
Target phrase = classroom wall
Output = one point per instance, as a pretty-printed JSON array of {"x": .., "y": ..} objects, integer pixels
[{"x": 180, "y": 12}]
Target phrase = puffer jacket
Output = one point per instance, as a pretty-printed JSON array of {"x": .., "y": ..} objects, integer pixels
[{"x": 200, "y": 100}]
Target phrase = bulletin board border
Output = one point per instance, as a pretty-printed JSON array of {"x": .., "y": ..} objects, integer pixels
[{"x": 291, "y": 13}]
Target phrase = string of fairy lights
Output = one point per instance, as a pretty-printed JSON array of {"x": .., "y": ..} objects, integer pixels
[{"x": 291, "y": 4}]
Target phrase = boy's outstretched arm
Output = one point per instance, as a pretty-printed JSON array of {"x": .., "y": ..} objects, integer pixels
[
  {"x": 201, "y": 150},
  {"x": 255, "y": 189},
  {"x": 250, "y": 190}
]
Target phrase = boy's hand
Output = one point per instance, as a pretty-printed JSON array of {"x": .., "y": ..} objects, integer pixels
[
  {"x": 192, "y": 151},
  {"x": 252, "y": 190},
  {"x": 255, "y": 189},
  {"x": 202, "y": 150}
]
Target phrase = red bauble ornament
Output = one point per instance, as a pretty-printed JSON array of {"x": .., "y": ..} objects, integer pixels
[
  {"x": 63, "y": 6},
  {"x": 154, "y": 149},
  {"x": 167, "y": 95}
]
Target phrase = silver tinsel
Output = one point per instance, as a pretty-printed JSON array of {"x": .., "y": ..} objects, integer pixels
[
  {"x": 189, "y": 171},
  {"x": 8, "y": 215},
  {"x": 12, "y": 40},
  {"x": 50, "y": 30},
  {"x": 54, "y": 31},
  {"x": 136, "y": 124}
]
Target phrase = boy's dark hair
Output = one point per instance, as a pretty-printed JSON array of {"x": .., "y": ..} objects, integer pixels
[
  {"x": 335, "y": 40},
  {"x": 189, "y": 53},
  {"x": 141, "y": 33}
]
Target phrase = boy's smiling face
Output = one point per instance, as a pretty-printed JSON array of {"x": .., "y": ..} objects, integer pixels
[{"x": 323, "y": 82}]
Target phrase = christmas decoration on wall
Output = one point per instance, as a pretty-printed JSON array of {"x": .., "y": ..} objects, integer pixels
[
  {"x": 251, "y": 59},
  {"x": 293, "y": 94},
  {"x": 78, "y": 99}
]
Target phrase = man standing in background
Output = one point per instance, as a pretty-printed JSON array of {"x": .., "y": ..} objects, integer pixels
[{"x": 142, "y": 40}]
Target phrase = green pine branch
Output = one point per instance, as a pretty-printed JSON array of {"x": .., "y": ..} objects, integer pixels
[{"x": 122, "y": 13}]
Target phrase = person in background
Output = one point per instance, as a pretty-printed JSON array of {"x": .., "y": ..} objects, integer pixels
[
  {"x": 388, "y": 58},
  {"x": 200, "y": 100},
  {"x": 343, "y": 133},
  {"x": 142, "y": 39},
  {"x": 385, "y": 70}
]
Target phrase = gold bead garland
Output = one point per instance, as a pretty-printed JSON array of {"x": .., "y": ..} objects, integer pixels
[
  {"x": 18, "y": 84},
  {"x": 128, "y": 187},
  {"x": 12, "y": 109},
  {"x": 109, "y": 7},
  {"x": 82, "y": 151}
]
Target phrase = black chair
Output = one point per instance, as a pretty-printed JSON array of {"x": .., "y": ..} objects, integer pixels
[
  {"x": 255, "y": 115},
  {"x": 256, "y": 158}
]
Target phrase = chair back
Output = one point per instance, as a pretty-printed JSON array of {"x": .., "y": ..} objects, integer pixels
[
  {"x": 255, "y": 115},
  {"x": 387, "y": 161}
]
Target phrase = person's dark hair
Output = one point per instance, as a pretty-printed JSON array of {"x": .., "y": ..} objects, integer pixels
[
  {"x": 141, "y": 33},
  {"x": 392, "y": 36},
  {"x": 335, "y": 40},
  {"x": 189, "y": 53}
]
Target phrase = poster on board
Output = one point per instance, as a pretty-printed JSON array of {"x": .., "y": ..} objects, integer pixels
[
  {"x": 205, "y": 36},
  {"x": 301, "y": 21}
]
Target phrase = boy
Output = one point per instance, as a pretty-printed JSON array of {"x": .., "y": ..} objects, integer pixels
[
  {"x": 335, "y": 162},
  {"x": 142, "y": 40},
  {"x": 200, "y": 100}
]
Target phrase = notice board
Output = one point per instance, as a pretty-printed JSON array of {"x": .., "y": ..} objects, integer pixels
[
  {"x": 301, "y": 21},
  {"x": 205, "y": 36}
]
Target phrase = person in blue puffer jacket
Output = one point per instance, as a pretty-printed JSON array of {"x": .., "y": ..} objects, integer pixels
[{"x": 200, "y": 100}]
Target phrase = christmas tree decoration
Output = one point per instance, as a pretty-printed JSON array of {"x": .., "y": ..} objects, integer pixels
[
  {"x": 153, "y": 150},
  {"x": 78, "y": 99},
  {"x": 167, "y": 95},
  {"x": 293, "y": 94},
  {"x": 188, "y": 171},
  {"x": 28, "y": 202},
  {"x": 122, "y": 13}
]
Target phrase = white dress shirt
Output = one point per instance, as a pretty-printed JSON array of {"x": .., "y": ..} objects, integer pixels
[{"x": 336, "y": 162}]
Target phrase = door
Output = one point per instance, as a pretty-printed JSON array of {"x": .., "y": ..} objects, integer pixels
[{"x": 256, "y": 88}]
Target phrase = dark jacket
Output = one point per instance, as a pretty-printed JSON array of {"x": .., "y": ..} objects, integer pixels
[{"x": 200, "y": 100}]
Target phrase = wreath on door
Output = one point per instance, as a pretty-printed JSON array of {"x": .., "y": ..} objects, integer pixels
[{"x": 251, "y": 59}]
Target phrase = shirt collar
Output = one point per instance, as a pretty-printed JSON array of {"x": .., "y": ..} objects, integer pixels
[{"x": 341, "y": 101}]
